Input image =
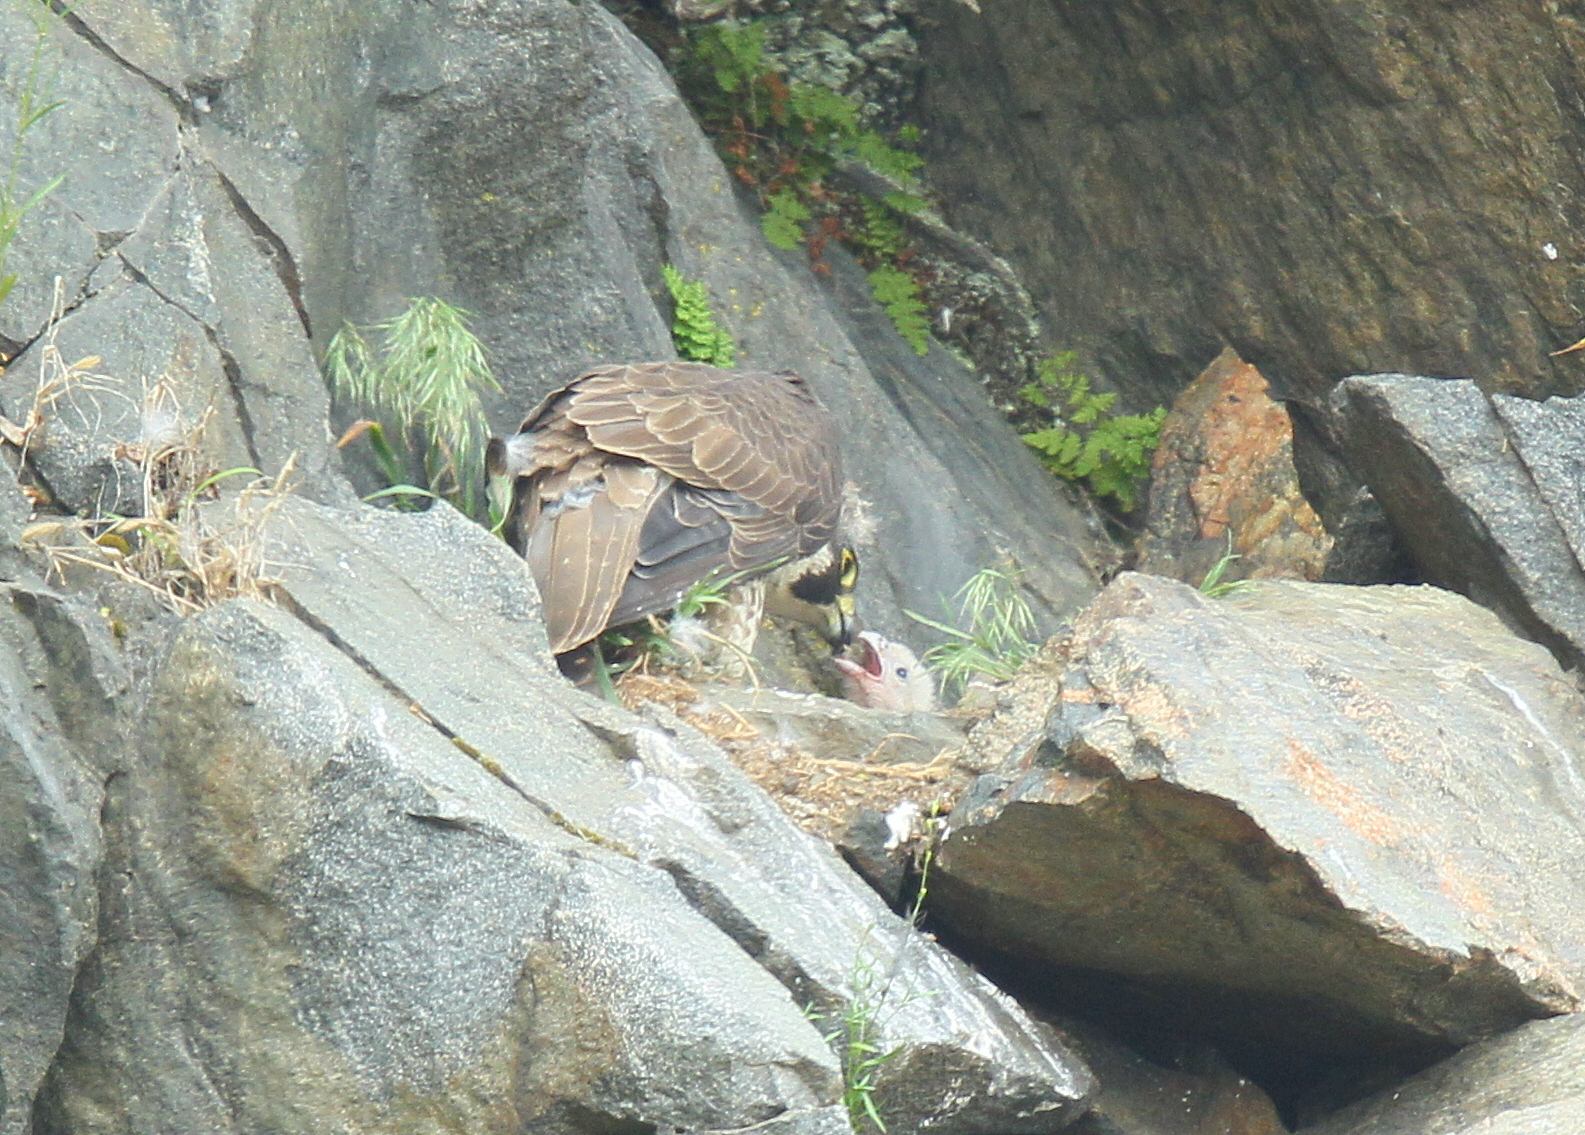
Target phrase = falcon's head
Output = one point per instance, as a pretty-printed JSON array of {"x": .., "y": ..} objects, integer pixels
[
  {"x": 886, "y": 675},
  {"x": 818, "y": 590}
]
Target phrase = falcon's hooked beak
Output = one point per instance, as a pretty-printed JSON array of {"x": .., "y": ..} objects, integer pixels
[{"x": 818, "y": 590}]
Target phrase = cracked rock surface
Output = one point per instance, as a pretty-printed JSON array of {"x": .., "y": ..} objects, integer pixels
[
  {"x": 370, "y": 858},
  {"x": 241, "y": 185},
  {"x": 1484, "y": 492},
  {"x": 1305, "y": 817}
]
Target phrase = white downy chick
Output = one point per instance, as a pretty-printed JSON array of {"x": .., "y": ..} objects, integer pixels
[{"x": 886, "y": 675}]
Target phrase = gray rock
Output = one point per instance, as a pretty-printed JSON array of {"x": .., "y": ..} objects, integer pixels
[
  {"x": 1274, "y": 176},
  {"x": 1530, "y": 1081},
  {"x": 59, "y": 691},
  {"x": 545, "y": 199},
  {"x": 159, "y": 381},
  {"x": 839, "y": 729},
  {"x": 114, "y": 138},
  {"x": 1313, "y": 818},
  {"x": 273, "y": 174},
  {"x": 671, "y": 800},
  {"x": 1483, "y": 491},
  {"x": 1003, "y": 502},
  {"x": 379, "y": 861},
  {"x": 329, "y": 910},
  {"x": 169, "y": 275}
]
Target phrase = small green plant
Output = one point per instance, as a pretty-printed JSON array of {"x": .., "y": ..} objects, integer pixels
[
  {"x": 934, "y": 831},
  {"x": 34, "y": 102},
  {"x": 420, "y": 387},
  {"x": 784, "y": 139},
  {"x": 774, "y": 132},
  {"x": 693, "y": 326},
  {"x": 898, "y": 293},
  {"x": 785, "y": 216},
  {"x": 994, "y": 632},
  {"x": 861, "y": 1054},
  {"x": 1214, "y": 585},
  {"x": 1087, "y": 442}
]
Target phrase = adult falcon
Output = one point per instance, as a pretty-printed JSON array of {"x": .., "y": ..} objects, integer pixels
[{"x": 632, "y": 483}]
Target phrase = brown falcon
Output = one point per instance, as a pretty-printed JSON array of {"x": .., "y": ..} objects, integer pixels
[{"x": 632, "y": 483}]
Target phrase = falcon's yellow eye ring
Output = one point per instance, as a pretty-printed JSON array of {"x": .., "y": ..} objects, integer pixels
[{"x": 849, "y": 577}]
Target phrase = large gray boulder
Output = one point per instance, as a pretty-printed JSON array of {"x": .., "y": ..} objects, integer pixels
[
  {"x": 378, "y": 865},
  {"x": 1306, "y": 819},
  {"x": 1484, "y": 492}
]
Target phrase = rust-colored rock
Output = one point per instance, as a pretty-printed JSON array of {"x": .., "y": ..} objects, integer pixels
[{"x": 1223, "y": 481}]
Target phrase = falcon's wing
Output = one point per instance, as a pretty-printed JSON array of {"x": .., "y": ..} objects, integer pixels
[{"x": 638, "y": 481}]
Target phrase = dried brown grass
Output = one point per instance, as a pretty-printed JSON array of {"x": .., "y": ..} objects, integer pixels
[
  {"x": 187, "y": 547},
  {"x": 821, "y": 795}
]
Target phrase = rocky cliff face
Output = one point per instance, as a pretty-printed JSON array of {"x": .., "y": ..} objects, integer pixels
[
  {"x": 1331, "y": 188},
  {"x": 309, "y": 835},
  {"x": 268, "y": 876}
]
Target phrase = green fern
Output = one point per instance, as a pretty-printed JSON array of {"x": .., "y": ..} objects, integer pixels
[
  {"x": 1111, "y": 453},
  {"x": 784, "y": 218},
  {"x": 898, "y": 293},
  {"x": 784, "y": 139},
  {"x": 693, "y": 327},
  {"x": 879, "y": 230}
]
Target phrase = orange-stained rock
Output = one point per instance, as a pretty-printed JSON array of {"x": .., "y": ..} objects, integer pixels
[{"x": 1223, "y": 478}]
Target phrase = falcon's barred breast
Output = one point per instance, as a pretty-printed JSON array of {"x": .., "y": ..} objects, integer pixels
[{"x": 632, "y": 483}]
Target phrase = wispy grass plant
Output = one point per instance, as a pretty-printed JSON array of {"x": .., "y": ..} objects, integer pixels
[
  {"x": 994, "y": 635},
  {"x": 420, "y": 385}
]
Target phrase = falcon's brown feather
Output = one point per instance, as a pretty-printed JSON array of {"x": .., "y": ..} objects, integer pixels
[{"x": 631, "y": 483}]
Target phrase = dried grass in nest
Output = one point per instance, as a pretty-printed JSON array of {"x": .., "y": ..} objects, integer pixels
[
  {"x": 822, "y": 796},
  {"x": 57, "y": 378}
]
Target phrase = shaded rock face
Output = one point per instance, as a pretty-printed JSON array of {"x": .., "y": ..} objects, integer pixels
[
  {"x": 61, "y": 692},
  {"x": 1339, "y": 820},
  {"x": 1329, "y": 187},
  {"x": 1529, "y": 1082},
  {"x": 1284, "y": 176},
  {"x": 1197, "y": 1095}
]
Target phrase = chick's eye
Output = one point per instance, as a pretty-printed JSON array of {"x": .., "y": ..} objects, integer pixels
[{"x": 902, "y": 672}]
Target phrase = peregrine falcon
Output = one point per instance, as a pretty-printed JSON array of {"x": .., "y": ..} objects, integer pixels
[{"x": 634, "y": 482}]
